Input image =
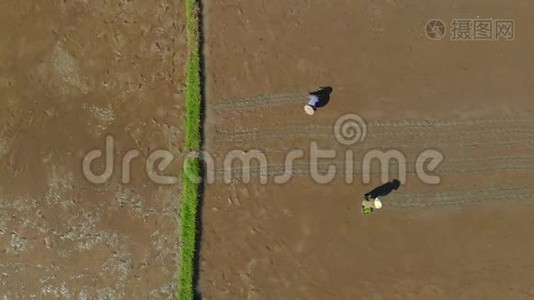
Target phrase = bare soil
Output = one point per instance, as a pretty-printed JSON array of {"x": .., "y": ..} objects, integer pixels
[
  {"x": 465, "y": 238},
  {"x": 71, "y": 73}
]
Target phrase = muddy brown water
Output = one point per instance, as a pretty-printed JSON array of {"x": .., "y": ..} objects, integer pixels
[
  {"x": 74, "y": 72},
  {"x": 465, "y": 238},
  {"x": 71, "y": 73}
]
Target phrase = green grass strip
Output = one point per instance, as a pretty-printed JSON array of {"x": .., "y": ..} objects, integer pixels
[{"x": 190, "y": 188}]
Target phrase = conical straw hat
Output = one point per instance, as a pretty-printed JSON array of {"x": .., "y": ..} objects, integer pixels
[
  {"x": 378, "y": 203},
  {"x": 309, "y": 110}
]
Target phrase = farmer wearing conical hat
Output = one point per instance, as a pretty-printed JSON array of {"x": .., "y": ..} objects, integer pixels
[{"x": 371, "y": 199}]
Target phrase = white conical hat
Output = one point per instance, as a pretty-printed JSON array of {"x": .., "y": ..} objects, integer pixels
[
  {"x": 377, "y": 203},
  {"x": 309, "y": 110}
]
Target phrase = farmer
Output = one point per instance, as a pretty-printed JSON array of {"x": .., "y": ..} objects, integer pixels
[
  {"x": 311, "y": 107},
  {"x": 371, "y": 199},
  {"x": 317, "y": 99}
]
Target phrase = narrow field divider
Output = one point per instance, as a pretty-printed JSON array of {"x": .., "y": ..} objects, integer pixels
[{"x": 190, "y": 186}]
